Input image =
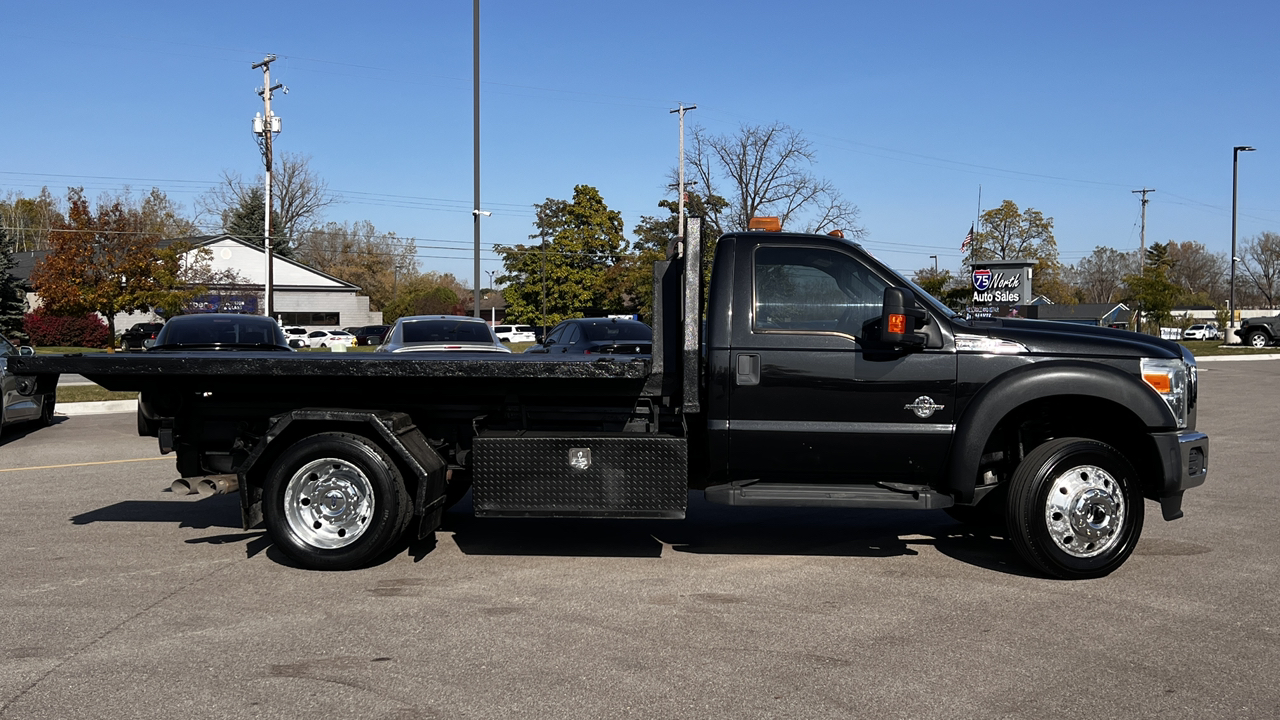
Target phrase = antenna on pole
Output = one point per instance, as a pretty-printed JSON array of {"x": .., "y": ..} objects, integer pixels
[
  {"x": 266, "y": 127},
  {"x": 1142, "y": 251},
  {"x": 680, "y": 213}
]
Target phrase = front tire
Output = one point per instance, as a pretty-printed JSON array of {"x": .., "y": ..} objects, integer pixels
[
  {"x": 1257, "y": 339},
  {"x": 1075, "y": 509},
  {"x": 335, "y": 501}
]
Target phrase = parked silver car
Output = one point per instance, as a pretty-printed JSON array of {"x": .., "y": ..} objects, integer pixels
[
  {"x": 16, "y": 406},
  {"x": 456, "y": 333}
]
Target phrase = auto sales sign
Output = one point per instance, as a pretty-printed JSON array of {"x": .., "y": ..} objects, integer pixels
[{"x": 1002, "y": 282}]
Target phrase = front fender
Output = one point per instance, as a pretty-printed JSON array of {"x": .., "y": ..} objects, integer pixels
[{"x": 1051, "y": 378}]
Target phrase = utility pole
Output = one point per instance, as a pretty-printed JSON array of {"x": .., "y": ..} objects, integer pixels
[
  {"x": 935, "y": 264},
  {"x": 266, "y": 127},
  {"x": 680, "y": 213},
  {"x": 475, "y": 102},
  {"x": 1235, "y": 188},
  {"x": 1142, "y": 251}
]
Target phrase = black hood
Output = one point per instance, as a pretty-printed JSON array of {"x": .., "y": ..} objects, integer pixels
[{"x": 1067, "y": 339}]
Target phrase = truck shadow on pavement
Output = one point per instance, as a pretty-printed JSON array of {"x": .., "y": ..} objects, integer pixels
[
  {"x": 721, "y": 530},
  {"x": 220, "y": 511}
]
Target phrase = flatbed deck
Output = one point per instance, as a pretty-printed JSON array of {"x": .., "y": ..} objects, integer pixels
[{"x": 144, "y": 371}]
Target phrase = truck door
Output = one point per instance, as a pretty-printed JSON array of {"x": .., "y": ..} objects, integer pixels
[{"x": 810, "y": 400}]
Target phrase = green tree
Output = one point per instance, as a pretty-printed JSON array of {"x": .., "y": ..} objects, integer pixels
[
  {"x": 426, "y": 294},
  {"x": 13, "y": 296},
  {"x": 1012, "y": 234},
  {"x": 630, "y": 280},
  {"x": 568, "y": 268},
  {"x": 1151, "y": 289},
  {"x": 945, "y": 287},
  {"x": 245, "y": 222}
]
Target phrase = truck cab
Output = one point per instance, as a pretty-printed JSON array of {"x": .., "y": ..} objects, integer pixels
[{"x": 813, "y": 398}]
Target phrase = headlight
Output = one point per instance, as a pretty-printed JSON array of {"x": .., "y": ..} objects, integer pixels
[{"x": 1169, "y": 378}]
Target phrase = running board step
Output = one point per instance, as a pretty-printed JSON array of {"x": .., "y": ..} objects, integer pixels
[{"x": 897, "y": 496}]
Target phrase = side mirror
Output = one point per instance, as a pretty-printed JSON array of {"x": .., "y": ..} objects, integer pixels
[
  {"x": 899, "y": 318},
  {"x": 26, "y": 350}
]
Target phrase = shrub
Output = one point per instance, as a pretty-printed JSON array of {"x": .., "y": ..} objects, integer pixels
[{"x": 67, "y": 331}]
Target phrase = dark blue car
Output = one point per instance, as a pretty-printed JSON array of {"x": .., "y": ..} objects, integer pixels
[{"x": 598, "y": 336}]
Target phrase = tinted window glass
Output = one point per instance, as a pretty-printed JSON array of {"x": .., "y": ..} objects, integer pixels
[
  {"x": 7, "y": 348},
  {"x": 225, "y": 331},
  {"x": 446, "y": 331},
  {"x": 572, "y": 335},
  {"x": 554, "y": 337},
  {"x": 618, "y": 331},
  {"x": 814, "y": 290}
]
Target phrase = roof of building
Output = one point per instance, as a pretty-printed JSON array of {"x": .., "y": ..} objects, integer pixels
[
  {"x": 1080, "y": 311},
  {"x": 27, "y": 261}
]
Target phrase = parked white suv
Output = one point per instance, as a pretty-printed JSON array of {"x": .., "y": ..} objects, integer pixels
[
  {"x": 297, "y": 336},
  {"x": 1201, "y": 332},
  {"x": 514, "y": 333}
]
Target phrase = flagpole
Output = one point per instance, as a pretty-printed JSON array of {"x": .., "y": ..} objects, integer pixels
[{"x": 978, "y": 221}]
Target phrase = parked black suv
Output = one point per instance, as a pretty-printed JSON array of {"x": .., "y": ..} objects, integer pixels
[{"x": 136, "y": 337}]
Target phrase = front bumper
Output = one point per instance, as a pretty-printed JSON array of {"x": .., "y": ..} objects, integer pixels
[{"x": 1184, "y": 464}]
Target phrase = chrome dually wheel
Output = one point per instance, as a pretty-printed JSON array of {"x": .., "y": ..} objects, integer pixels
[
  {"x": 328, "y": 503},
  {"x": 1083, "y": 511},
  {"x": 335, "y": 501},
  {"x": 1075, "y": 508}
]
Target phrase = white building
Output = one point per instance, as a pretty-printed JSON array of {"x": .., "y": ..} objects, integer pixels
[{"x": 303, "y": 295}]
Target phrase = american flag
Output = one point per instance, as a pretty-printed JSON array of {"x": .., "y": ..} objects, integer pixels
[{"x": 967, "y": 239}]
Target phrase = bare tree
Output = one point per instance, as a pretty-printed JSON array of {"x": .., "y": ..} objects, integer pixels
[
  {"x": 1260, "y": 261},
  {"x": 766, "y": 171},
  {"x": 1099, "y": 278},
  {"x": 1198, "y": 272},
  {"x": 299, "y": 196},
  {"x": 357, "y": 253}
]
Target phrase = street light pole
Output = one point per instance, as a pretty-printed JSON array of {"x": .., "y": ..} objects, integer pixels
[
  {"x": 1235, "y": 188},
  {"x": 935, "y": 264}
]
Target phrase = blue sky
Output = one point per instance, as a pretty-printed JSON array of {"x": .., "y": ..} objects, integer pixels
[{"x": 911, "y": 106}]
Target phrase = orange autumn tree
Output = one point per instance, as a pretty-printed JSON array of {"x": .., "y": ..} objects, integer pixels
[{"x": 99, "y": 260}]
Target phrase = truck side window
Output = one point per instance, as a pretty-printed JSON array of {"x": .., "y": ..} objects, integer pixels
[{"x": 813, "y": 290}]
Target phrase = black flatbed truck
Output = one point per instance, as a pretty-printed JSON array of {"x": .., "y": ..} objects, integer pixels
[{"x": 823, "y": 379}]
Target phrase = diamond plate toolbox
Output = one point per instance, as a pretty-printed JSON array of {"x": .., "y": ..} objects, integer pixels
[{"x": 636, "y": 477}]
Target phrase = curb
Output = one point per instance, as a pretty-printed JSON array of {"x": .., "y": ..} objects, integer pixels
[
  {"x": 1231, "y": 358},
  {"x": 96, "y": 408}
]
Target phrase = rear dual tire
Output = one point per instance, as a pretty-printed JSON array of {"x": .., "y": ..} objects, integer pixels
[{"x": 335, "y": 501}]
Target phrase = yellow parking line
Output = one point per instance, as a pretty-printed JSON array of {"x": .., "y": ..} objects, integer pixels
[{"x": 104, "y": 462}]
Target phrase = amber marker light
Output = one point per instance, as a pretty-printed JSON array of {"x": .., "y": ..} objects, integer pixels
[
  {"x": 1160, "y": 382},
  {"x": 897, "y": 323},
  {"x": 768, "y": 224}
]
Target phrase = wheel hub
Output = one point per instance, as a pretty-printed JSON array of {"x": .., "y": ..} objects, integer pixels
[
  {"x": 1085, "y": 511},
  {"x": 328, "y": 503}
]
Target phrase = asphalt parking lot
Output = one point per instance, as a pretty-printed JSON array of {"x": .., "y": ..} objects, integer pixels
[{"x": 122, "y": 600}]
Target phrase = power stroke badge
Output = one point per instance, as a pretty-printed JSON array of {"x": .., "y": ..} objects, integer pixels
[{"x": 924, "y": 406}]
